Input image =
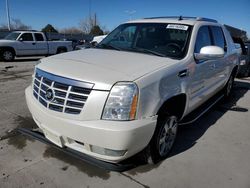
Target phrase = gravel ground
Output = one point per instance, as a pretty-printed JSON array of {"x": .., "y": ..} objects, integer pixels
[{"x": 213, "y": 152}]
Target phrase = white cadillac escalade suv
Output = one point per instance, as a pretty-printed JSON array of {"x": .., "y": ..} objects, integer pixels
[{"x": 132, "y": 91}]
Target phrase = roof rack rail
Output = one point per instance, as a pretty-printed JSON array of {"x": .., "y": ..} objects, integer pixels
[{"x": 185, "y": 18}]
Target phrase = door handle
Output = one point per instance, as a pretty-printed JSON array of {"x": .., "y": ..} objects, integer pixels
[
  {"x": 183, "y": 73},
  {"x": 33, "y": 43}
]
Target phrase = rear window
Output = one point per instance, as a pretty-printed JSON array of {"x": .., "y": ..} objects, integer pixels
[{"x": 39, "y": 37}]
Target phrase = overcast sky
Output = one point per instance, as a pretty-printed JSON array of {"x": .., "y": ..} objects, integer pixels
[{"x": 65, "y": 13}]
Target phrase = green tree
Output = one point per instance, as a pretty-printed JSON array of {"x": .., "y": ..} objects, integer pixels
[
  {"x": 96, "y": 30},
  {"x": 49, "y": 29}
]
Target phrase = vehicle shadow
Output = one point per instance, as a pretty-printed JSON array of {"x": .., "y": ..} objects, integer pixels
[
  {"x": 27, "y": 59},
  {"x": 189, "y": 134}
]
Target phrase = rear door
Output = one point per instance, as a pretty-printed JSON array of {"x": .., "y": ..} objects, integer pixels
[
  {"x": 26, "y": 44},
  {"x": 41, "y": 44}
]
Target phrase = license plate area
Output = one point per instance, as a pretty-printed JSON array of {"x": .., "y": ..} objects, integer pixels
[{"x": 53, "y": 137}]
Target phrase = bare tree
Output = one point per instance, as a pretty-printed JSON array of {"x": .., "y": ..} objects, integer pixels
[
  {"x": 87, "y": 24},
  {"x": 3, "y": 27},
  {"x": 16, "y": 24},
  {"x": 105, "y": 30},
  {"x": 71, "y": 30}
]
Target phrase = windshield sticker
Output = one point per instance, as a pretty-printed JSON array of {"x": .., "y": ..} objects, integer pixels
[{"x": 175, "y": 26}]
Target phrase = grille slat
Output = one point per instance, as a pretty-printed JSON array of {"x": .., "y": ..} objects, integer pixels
[
  {"x": 75, "y": 104},
  {"x": 72, "y": 111},
  {"x": 67, "y": 95},
  {"x": 80, "y": 90},
  {"x": 77, "y": 97}
]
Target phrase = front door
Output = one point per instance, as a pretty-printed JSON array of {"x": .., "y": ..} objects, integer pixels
[
  {"x": 202, "y": 73},
  {"x": 26, "y": 45}
]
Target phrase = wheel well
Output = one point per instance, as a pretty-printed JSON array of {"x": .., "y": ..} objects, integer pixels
[
  {"x": 174, "y": 106},
  {"x": 235, "y": 70},
  {"x": 62, "y": 48},
  {"x": 8, "y": 48}
]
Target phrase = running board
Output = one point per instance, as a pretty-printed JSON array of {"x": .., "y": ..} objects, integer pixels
[
  {"x": 118, "y": 167},
  {"x": 196, "y": 114}
]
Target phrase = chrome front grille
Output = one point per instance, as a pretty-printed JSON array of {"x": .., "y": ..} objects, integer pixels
[{"x": 59, "y": 93}]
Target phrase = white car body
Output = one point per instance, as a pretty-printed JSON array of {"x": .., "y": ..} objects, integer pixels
[
  {"x": 34, "y": 47},
  {"x": 98, "y": 39},
  {"x": 97, "y": 70}
]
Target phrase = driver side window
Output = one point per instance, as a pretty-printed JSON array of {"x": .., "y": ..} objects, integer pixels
[
  {"x": 203, "y": 39},
  {"x": 26, "y": 37}
]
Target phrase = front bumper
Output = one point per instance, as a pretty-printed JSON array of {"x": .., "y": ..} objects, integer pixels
[
  {"x": 129, "y": 136},
  {"x": 119, "y": 167}
]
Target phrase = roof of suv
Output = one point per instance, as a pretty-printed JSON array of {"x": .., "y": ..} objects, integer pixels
[{"x": 174, "y": 19}]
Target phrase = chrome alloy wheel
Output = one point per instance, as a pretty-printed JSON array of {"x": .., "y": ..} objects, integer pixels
[{"x": 167, "y": 136}]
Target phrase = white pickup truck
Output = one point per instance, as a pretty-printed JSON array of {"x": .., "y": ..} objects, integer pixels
[{"x": 30, "y": 43}]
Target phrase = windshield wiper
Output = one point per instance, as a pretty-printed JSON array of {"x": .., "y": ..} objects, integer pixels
[
  {"x": 108, "y": 46},
  {"x": 143, "y": 50}
]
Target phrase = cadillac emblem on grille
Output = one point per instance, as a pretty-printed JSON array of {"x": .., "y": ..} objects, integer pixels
[{"x": 49, "y": 95}]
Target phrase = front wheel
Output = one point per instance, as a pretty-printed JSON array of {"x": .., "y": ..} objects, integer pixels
[
  {"x": 163, "y": 139},
  {"x": 8, "y": 55}
]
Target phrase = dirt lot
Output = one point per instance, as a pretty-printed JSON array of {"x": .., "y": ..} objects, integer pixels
[{"x": 213, "y": 152}]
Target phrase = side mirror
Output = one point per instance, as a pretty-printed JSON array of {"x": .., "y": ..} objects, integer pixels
[
  {"x": 20, "y": 39},
  {"x": 210, "y": 52}
]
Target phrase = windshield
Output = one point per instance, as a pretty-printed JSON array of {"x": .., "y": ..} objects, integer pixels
[
  {"x": 161, "y": 39},
  {"x": 12, "y": 36}
]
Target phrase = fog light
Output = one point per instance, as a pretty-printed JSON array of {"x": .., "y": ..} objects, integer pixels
[{"x": 105, "y": 151}]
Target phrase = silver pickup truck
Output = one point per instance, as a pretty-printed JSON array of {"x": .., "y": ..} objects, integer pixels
[
  {"x": 30, "y": 43},
  {"x": 130, "y": 93}
]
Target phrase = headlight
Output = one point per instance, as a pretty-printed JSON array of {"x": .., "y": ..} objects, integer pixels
[{"x": 122, "y": 102}]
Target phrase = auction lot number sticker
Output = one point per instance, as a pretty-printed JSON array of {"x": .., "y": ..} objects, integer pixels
[{"x": 176, "y": 26}]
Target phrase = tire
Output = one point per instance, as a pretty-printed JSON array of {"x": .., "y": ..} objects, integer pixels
[
  {"x": 229, "y": 86},
  {"x": 8, "y": 55},
  {"x": 163, "y": 139}
]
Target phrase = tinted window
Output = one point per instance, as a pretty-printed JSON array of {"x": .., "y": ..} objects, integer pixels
[
  {"x": 218, "y": 37},
  {"x": 203, "y": 39},
  {"x": 27, "y": 37},
  {"x": 39, "y": 37}
]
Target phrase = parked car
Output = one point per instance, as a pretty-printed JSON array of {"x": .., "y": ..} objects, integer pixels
[
  {"x": 130, "y": 93},
  {"x": 96, "y": 40},
  {"x": 30, "y": 43},
  {"x": 84, "y": 46}
]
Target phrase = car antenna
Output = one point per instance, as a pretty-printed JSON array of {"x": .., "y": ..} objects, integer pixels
[{"x": 180, "y": 18}]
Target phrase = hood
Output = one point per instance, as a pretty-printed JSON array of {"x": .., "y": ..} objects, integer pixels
[
  {"x": 103, "y": 67},
  {"x": 4, "y": 41}
]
